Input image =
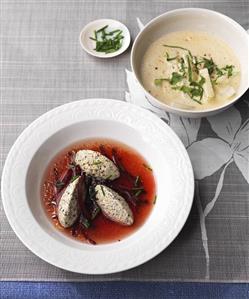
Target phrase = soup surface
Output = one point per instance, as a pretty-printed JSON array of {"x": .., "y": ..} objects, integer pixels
[
  {"x": 135, "y": 184},
  {"x": 191, "y": 70}
]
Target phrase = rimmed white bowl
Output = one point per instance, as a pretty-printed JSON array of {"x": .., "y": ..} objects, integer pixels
[
  {"x": 88, "y": 31},
  {"x": 193, "y": 19},
  {"x": 62, "y": 126}
]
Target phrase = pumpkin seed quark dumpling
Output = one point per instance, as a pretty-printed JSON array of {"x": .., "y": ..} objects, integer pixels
[
  {"x": 95, "y": 164},
  {"x": 68, "y": 208},
  {"x": 113, "y": 205}
]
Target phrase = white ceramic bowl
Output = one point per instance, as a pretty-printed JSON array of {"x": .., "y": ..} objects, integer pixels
[
  {"x": 193, "y": 19},
  {"x": 62, "y": 126},
  {"x": 88, "y": 45}
]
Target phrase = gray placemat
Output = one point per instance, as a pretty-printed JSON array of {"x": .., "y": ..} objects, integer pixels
[{"x": 43, "y": 66}]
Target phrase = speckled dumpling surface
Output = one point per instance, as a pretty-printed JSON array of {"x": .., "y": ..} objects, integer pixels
[
  {"x": 113, "y": 205},
  {"x": 95, "y": 164}
]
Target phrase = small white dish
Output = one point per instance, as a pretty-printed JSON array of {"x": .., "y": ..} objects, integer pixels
[
  {"x": 193, "y": 19},
  {"x": 62, "y": 126},
  {"x": 88, "y": 31}
]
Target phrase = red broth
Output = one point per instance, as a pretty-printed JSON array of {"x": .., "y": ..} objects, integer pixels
[{"x": 103, "y": 230}]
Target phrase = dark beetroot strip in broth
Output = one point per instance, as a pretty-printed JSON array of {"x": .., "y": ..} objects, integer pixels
[{"x": 132, "y": 167}]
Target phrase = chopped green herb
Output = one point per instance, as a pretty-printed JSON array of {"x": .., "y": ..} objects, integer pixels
[
  {"x": 146, "y": 166},
  {"x": 155, "y": 198},
  {"x": 102, "y": 29},
  {"x": 182, "y": 66},
  {"x": 213, "y": 68},
  {"x": 170, "y": 58},
  {"x": 107, "y": 42},
  {"x": 114, "y": 31},
  {"x": 102, "y": 189},
  {"x": 177, "y": 47},
  {"x": 219, "y": 72},
  {"x": 188, "y": 73},
  {"x": 202, "y": 81},
  {"x": 59, "y": 184},
  {"x": 85, "y": 222},
  {"x": 137, "y": 180},
  {"x": 229, "y": 70},
  {"x": 118, "y": 36},
  {"x": 195, "y": 64},
  {"x": 97, "y": 162},
  {"x": 206, "y": 63},
  {"x": 190, "y": 77},
  {"x": 95, "y": 213},
  {"x": 192, "y": 92},
  {"x": 95, "y": 35},
  {"x": 109, "y": 177},
  {"x": 195, "y": 90},
  {"x": 176, "y": 77},
  {"x": 158, "y": 82},
  {"x": 194, "y": 60},
  {"x": 74, "y": 178},
  {"x": 138, "y": 193}
]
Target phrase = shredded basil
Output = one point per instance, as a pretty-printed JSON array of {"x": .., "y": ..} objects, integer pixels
[
  {"x": 229, "y": 70},
  {"x": 178, "y": 47},
  {"x": 182, "y": 66},
  {"x": 137, "y": 180},
  {"x": 138, "y": 192},
  {"x": 190, "y": 74},
  {"x": 107, "y": 42},
  {"x": 102, "y": 189},
  {"x": 102, "y": 29},
  {"x": 176, "y": 77},
  {"x": 209, "y": 64},
  {"x": 146, "y": 166},
  {"x": 189, "y": 69},
  {"x": 158, "y": 82},
  {"x": 59, "y": 184},
  {"x": 85, "y": 222},
  {"x": 170, "y": 58},
  {"x": 195, "y": 90},
  {"x": 109, "y": 176},
  {"x": 74, "y": 178}
]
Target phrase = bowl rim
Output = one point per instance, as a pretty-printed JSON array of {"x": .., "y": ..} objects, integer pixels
[
  {"x": 175, "y": 12},
  {"x": 109, "y": 55}
]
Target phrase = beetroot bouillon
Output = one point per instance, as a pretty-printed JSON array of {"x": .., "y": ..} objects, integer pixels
[{"x": 136, "y": 184}]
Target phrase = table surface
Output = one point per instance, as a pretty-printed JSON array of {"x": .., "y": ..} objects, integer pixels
[{"x": 43, "y": 66}]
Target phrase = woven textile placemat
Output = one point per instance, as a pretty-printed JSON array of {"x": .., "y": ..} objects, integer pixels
[{"x": 43, "y": 66}]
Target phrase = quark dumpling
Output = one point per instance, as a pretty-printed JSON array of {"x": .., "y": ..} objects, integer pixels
[
  {"x": 113, "y": 205},
  {"x": 95, "y": 164},
  {"x": 68, "y": 208}
]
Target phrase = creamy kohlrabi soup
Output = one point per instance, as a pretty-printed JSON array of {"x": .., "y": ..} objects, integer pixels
[{"x": 191, "y": 70}]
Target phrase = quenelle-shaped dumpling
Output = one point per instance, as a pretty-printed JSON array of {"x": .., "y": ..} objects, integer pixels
[
  {"x": 113, "y": 206},
  {"x": 68, "y": 207},
  {"x": 95, "y": 164}
]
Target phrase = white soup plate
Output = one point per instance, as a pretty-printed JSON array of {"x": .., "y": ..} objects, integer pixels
[{"x": 76, "y": 121}]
